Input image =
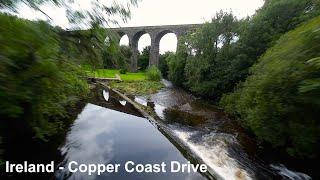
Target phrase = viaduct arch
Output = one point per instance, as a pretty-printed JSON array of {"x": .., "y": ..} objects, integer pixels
[{"x": 156, "y": 33}]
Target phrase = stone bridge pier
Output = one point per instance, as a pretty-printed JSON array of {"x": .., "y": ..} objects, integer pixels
[{"x": 156, "y": 33}]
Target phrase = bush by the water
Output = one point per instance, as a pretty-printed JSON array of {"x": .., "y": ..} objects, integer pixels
[
  {"x": 280, "y": 101},
  {"x": 163, "y": 64},
  {"x": 153, "y": 74},
  {"x": 176, "y": 64},
  {"x": 37, "y": 82}
]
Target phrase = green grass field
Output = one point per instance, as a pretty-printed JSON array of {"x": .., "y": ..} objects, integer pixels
[
  {"x": 110, "y": 73},
  {"x": 132, "y": 83}
]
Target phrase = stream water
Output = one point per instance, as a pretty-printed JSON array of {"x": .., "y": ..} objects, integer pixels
[
  {"x": 213, "y": 137},
  {"x": 109, "y": 130}
]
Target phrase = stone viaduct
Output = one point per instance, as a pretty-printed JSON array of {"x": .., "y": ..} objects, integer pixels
[{"x": 156, "y": 33}]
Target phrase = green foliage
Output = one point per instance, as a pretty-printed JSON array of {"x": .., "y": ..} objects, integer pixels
[
  {"x": 96, "y": 14},
  {"x": 85, "y": 47},
  {"x": 124, "y": 56},
  {"x": 215, "y": 58},
  {"x": 102, "y": 73},
  {"x": 153, "y": 74},
  {"x": 163, "y": 64},
  {"x": 123, "y": 71},
  {"x": 117, "y": 57},
  {"x": 110, "y": 73},
  {"x": 273, "y": 102},
  {"x": 137, "y": 87},
  {"x": 143, "y": 60},
  {"x": 36, "y": 82},
  {"x": 280, "y": 101},
  {"x": 208, "y": 65},
  {"x": 40, "y": 66},
  {"x": 176, "y": 64},
  {"x": 130, "y": 77},
  {"x": 260, "y": 32}
]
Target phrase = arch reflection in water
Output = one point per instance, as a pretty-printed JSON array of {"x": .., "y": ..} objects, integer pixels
[
  {"x": 123, "y": 102},
  {"x": 105, "y": 95},
  {"x": 101, "y": 135}
]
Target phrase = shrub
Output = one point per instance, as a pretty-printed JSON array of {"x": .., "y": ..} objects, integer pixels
[
  {"x": 153, "y": 74},
  {"x": 37, "y": 84},
  {"x": 176, "y": 64},
  {"x": 163, "y": 64},
  {"x": 280, "y": 101},
  {"x": 123, "y": 71}
]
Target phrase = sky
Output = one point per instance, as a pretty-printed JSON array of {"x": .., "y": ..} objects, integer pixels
[{"x": 161, "y": 12}]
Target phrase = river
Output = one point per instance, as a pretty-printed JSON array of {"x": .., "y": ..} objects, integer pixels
[
  {"x": 109, "y": 130},
  {"x": 213, "y": 137}
]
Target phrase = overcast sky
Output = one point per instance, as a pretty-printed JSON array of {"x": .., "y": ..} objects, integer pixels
[{"x": 162, "y": 12}]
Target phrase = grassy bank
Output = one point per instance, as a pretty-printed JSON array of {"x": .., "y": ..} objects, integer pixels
[
  {"x": 137, "y": 87},
  {"x": 132, "y": 83},
  {"x": 111, "y": 73}
]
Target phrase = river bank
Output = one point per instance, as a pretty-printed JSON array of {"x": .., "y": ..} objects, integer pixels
[
  {"x": 215, "y": 137},
  {"x": 129, "y": 83}
]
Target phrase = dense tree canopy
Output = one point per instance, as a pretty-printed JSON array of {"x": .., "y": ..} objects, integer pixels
[
  {"x": 143, "y": 60},
  {"x": 208, "y": 64},
  {"x": 176, "y": 64},
  {"x": 101, "y": 13},
  {"x": 163, "y": 64},
  {"x": 219, "y": 54},
  {"x": 280, "y": 101},
  {"x": 261, "y": 31},
  {"x": 117, "y": 57},
  {"x": 41, "y": 73},
  {"x": 37, "y": 81}
]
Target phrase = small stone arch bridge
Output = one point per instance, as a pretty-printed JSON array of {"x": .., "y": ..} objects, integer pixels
[{"x": 156, "y": 33}]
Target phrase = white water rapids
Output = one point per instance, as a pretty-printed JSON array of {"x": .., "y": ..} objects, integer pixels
[{"x": 213, "y": 148}]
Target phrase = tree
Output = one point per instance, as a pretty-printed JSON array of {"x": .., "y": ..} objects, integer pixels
[
  {"x": 163, "y": 64},
  {"x": 124, "y": 57},
  {"x": 143, "y": 60},
  {"x": 99, "y": 14},
  {"x": 261, "y": 31},
  {"x": 176, "y": 64},
  {"x": 40, "y": 65},
  {"x": 202, "y": 63},
  {"x": 87, "y": 46},
  {"x": 220, "y": 53},
  {"x": 38, "y": 82},
  {"x": 280, "y": 101}
]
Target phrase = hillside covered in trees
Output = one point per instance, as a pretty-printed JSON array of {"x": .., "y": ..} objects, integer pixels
[{"x": 279, "y": 101}]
